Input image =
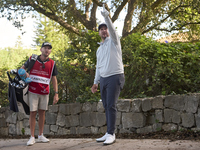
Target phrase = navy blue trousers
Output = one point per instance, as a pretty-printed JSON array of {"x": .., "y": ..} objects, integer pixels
[{"x": 110, "y": 88}]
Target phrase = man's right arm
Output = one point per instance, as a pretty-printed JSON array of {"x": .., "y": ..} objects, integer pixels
[
  {"x": 23, "y": 67},
  {"x": 97, "y": 76},
  {"x": 26, "y": 66},
  {"x": 96, "y": 79}
]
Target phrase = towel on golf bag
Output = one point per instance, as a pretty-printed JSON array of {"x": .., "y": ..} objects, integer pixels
[
  {"x": 17, "y": 94},
  {"x": 12, "y": 99}
]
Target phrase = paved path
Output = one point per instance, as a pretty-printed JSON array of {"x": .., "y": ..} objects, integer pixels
[{"x": 91, "y": 144}]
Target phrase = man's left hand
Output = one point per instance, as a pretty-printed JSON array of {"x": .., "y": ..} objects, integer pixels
[{"x": 55, "y": 99}]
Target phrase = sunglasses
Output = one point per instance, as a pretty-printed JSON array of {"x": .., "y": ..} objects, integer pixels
[{"x": 43, "y": 65}]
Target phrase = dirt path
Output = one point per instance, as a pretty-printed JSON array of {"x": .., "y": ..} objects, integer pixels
[{"x": 91, "y": 144}]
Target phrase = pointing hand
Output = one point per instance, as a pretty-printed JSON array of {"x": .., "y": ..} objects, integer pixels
[{"x": 104, "y": 13}]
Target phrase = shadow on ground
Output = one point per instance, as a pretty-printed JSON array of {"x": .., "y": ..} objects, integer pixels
[{"x": 172, "y": 135}]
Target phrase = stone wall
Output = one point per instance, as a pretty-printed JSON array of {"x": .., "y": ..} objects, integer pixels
[{"x": 173, "y": 112}]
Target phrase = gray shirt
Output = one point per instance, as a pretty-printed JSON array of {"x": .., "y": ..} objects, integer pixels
[{"x": 109, "y": 55}]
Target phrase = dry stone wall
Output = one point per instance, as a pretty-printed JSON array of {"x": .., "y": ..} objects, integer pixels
[{"x": 142, "y": 115}]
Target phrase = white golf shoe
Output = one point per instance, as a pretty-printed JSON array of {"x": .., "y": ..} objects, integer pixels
[
  {"x": 31, "y": 141},
  {"x": 110, "y": 139},
  {"x": 42, "y": 139},
  {"x": 102, "y": 139}
]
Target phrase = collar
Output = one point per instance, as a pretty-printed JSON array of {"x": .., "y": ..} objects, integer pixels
[
  {"x": 101, "y": 43},
  {"x": 41, "y": 60}
]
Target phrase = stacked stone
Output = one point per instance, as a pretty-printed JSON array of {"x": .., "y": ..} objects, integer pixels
[{"x": 142, "y": 115}]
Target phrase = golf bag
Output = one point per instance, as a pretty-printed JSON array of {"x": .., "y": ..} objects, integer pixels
[{"x": 18, "y": 88}]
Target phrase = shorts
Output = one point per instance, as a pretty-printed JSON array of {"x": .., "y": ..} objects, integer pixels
[{"x": 36, "y": 101}]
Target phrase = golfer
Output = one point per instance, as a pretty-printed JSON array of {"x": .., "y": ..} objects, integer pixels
[{"x": 109, "y": 73}]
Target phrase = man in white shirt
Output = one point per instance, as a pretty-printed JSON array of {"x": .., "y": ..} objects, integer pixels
[{"x": 109, "y": 73}]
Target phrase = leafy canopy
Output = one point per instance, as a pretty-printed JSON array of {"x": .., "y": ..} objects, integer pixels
[{"x": 137, "y": 16}]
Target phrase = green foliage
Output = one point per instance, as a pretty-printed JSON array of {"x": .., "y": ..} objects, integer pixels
[
  {"x": 11, "y": 58},
  {"x": 23, "y": 131},
  {"x": 3, "y": 87},
  {"x": 157, "y": 121},
  {"x": 77, "y": 70},
  {"x": 74, "y": 80},
  {"x": 87, "y": 95},
  {"x": 50, "y": 31},
  {"x": 146, "y": 17},
  {"x": 152, "y": 68},
  {"x": 83, "y": 49}
]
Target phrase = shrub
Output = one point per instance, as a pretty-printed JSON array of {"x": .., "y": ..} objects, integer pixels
[{"x": 152, "y": 68}]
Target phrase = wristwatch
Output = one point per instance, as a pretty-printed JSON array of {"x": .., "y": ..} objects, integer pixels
[{"x": 56, "y": 92}]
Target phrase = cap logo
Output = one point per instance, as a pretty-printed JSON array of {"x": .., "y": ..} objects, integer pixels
[{"x": 46, "y": 44}]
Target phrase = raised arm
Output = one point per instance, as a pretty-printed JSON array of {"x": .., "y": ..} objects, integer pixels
[{"x": 113, "y": 34}]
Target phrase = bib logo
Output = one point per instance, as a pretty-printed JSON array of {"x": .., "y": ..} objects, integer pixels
[
  {"x": 39, "y": 79},
  {"x": 40, "y": 67},
  {"x": 44, "y": 91},
  {"x": 33, "y": 88}
]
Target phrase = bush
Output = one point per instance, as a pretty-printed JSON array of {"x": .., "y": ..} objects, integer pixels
[
  {"x": 76, "y": 67},
  {"x": 152, "y": 68},
  {"x": 3, "y": 87}
]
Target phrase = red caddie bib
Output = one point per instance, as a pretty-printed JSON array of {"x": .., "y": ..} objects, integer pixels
[{"x": 41, "y": 77}]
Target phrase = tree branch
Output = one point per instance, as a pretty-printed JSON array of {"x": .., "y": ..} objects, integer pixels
[
  {"x": 56, "y": 18},
  {"x": 87, "y": 10},
  {"x": 77, "y": 15},
  {"x": 119, "y": 9},
  {"x": 170, "y": 14},
  {"x": 93, "y": 21},
  {"x": 144, "y": 19},
  {"x": 177, "y": 29},
  {"x": 129, "y": 16},
  {"x": 156, "y": 3},
  {"x": 100, "y": 4}
]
